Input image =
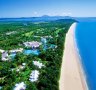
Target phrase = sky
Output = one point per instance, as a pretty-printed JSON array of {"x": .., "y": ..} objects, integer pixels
[{"x": 35, "y": 8}]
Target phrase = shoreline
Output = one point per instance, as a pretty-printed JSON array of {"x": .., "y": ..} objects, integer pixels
[
  {"x": 80, "y": 65},
  {"x": 72, "y": 75}
]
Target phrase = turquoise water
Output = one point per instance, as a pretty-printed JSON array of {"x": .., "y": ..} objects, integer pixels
[
  {"x": 45, "y": 47},
  {"x": 86, "y": 42},
  {"x": 26, "y": 52},
  {"x": 35, "y": 52},
  {"x": 12, "y": 55},
  {"x": 52, "y": 46}
]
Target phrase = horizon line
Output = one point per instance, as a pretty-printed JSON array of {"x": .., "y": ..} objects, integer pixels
[{"x": 52, "y": 16}]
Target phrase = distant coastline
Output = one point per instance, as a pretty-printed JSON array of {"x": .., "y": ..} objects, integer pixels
[{"x": 47, "y": 18}]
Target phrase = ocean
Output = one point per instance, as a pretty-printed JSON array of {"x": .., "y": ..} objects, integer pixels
[{"x": 85, "y": 34}]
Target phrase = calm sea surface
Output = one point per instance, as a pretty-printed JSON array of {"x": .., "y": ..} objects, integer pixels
[{"x": 86, "y": 42}]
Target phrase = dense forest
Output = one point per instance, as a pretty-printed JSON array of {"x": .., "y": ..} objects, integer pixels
[{"x": 14, "y": 34}]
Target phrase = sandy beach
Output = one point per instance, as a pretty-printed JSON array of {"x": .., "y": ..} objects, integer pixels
[{"x": 72, "y": 75}]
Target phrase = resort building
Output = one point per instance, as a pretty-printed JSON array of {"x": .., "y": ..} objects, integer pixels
[
  {"x": 20, "y": 86},
  {"x": 23, "y": 64},
  {"x": 34, "y": 76},
  {"x": 4, "y": 56},
  {"x": 17, "y": 69},
  {"x": 9, "y": 33},
  {"x": 33, "y": 44},
  {"x": 48, "y": 36},
  {"x": 20, "y": 67},
  {"x": 16, "y": 50},
  {"x": 38, "y": 64}
]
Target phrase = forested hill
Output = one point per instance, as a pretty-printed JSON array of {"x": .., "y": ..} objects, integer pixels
[{"x": 36, "y": 19}]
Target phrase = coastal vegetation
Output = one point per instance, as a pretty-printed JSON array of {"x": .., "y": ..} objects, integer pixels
[{"x": 48, "y": 38}]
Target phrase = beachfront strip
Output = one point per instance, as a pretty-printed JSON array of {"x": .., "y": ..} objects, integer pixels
[{"x": 72, "y": 74}]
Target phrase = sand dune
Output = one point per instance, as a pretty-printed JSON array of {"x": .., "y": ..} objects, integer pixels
[{"x": 72, "y": 75}]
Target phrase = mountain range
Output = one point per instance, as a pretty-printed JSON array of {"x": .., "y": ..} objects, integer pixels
[{"x": 48, "y": 18}]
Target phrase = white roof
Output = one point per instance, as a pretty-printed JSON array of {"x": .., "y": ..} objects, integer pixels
[
  {"x": 23, "y": 64},
  {"x": 4, "y": 56},
  {"x": 34, "y": 76},
  {"x": 32, "y": 44},
  {"x": 18, "y": 70},
  {"x": 37, "y": 63},
  {"x": 20, "y": 86},
  {"x": 17, "y": 50}
]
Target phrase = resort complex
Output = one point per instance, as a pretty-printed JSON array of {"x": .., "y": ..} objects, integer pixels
[{"x": 31, "y": 54}]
